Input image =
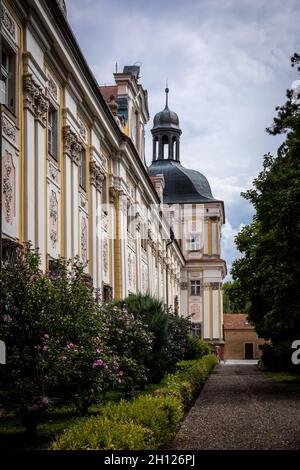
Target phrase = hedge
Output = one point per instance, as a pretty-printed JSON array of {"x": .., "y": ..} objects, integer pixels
[{"x": 146, "y": 423}]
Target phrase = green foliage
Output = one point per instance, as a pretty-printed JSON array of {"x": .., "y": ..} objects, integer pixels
[
  {"x": 196, "y": 348},
  {"x": 269, "y": 272},
  {"x": 150, "y": 420},
  {"x": 188, "y": 380},
  {"x": 53, "y": 330},
  {"x": 160, "y": 414},
  {"x": 233, "y": 300},
  {"x": 101, "y": 433},
  {"x": 168, "y": 330},
  {"x": 127, "y": 335},
  {"x": 278, "y": 356}
]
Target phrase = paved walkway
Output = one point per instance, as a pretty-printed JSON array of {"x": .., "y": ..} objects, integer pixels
[{"x": 240, "y": 407}]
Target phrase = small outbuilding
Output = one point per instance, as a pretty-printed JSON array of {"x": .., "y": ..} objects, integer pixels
[{"x": 241, "y": 339}]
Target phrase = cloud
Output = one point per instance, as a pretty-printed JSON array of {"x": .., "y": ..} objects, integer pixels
[
  {"x": 229, "y": 250},
  {"x": 227, "y": 64}
]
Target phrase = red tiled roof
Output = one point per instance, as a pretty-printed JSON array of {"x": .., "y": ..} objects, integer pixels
[
  {"x": 236, "y": 321},
  {"x": 108, "y": 90}
]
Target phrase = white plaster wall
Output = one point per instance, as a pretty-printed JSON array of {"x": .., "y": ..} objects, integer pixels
[
  {"x": 68, "y": 207},
  {"x": 41, "y": 180},
  {"x": 70, "y": 103},
  {"x": 76, "y": 221},
  {"x": 94, "y": 255},
  {"x": 30, "y": 178},
  {"x": 214, "y": 238},
  {"x": 215, "y": 313},
  {"x": 206, "y": 316},
  {"x": 33, "y": 47}
]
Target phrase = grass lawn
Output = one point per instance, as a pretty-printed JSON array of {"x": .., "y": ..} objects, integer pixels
[
  {"x": 285, "y": 377},
  {"x": 13, "y": 435}
]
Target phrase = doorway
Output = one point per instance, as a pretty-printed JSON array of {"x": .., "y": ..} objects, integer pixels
[{"x": 248, "y": 350}]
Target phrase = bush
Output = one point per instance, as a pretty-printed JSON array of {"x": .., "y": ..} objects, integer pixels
[
  {"x": 130, "y": 340},
  {"x": 160, "y": 414},
  {"x": 278, "y": 356},
  {"x": 53, "y": 330},
  {"x": 169, "y": 333},
  {"x": 188, "y": 380},
  {"x": 196, "y": 348},
  {"x": 154, "y": 418},
  {"x": 146, "y": 423},
  {"x": 101, "y": 433}
]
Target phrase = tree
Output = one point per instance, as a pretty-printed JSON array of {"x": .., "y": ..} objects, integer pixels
[
  {"x": 169, "y": 333},
  {"x": 57, "y": 347},
  {"x": 268, "y": 275},
  {"x": 233, "y": 300}
]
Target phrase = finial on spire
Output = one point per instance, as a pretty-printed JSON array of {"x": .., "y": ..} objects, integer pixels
[{"x": 167, "y": 91}]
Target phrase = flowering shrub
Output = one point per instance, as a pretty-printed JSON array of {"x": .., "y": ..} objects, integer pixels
[
  {"x": 57, "y": 349},
  {"x": 130, "y": 340},
  {"x": 79, "y": 339}
]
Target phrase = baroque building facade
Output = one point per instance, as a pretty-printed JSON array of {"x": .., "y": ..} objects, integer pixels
[{"x": 75, "y": 181}]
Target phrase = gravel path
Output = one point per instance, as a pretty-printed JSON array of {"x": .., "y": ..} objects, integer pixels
[{"x": 240, "y": 407}]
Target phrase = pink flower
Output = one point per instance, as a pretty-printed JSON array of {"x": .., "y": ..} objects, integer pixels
[
  {"x": 45, "y": 348},
  {"x": 99, "y": 351},
  {"x": 62, "y": 358},
  {"x": 34, "y": 407},
  {"x": 98, "y": 363},
  {"x": 45, "y": 401},
  {"x": 46, "y": 336}
]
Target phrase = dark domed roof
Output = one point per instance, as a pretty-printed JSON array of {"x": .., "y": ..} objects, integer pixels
[
  {"x": 166, "y": 118},
  {"x": 181, "y": 185}
]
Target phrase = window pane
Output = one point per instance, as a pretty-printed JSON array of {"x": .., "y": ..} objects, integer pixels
[
  {"x": 52, "y": 132},
  {"x": 82, "y": 170}
]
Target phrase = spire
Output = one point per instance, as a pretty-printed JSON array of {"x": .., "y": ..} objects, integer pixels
[{"x": 167, "y": 92}]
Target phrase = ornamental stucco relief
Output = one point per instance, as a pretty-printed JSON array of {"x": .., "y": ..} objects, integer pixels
[
  {"x": 9, "y": 129},
  {"x": 8, "y": 188},
  {"x": 72, "y": 146},
  {"x": 84, "y": 240},
  {"x": 53, "y": 219},
  {"x": 105, "y": 256},
  {"x": 35, "y": 98},
  {"x": 8, "y": 23}
]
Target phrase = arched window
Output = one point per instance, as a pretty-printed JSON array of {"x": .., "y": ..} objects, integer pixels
[
  {"x": 156, "y": 148},
  {"x": 174, "y": 148},
  {"x": 165, "y": 146}
]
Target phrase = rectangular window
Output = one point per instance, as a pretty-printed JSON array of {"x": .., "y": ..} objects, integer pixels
[
  {"x": 195, "y": 242},
  {"x": 82, "y": 169},
  {"x": 52, "y": 132},
  {"x": 8, "y": 79},
  {"x": 195, "y": 329},
  {"x": 195, "y": 287}
]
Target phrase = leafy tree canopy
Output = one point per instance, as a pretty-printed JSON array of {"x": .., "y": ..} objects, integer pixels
[{"x": 268, "y": 275}]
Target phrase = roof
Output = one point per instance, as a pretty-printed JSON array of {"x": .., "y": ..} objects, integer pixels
[
  {"x": 181, "y": 184},
  {"x": 108, "y": 91},
  {"x": 166, "y": 119},
  {"x": 237, "y": 321}
]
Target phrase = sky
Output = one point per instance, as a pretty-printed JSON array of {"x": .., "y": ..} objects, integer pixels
[{"x": 228, "y": 66}]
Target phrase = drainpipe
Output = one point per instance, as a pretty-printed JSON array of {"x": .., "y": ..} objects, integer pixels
[{"x": 167, "y": 280}]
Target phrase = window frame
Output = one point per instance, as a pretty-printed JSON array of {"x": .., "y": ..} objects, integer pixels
[
  {"x": 82, "y": 170},
  {"x": 53, "y": 152},
  {"x": 195, "y": 288},
  {"x": 11, "y": 74},
  {"x": 195, "y": 243}
]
